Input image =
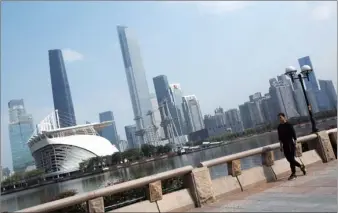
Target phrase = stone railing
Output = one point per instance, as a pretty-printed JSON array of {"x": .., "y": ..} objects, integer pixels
[{"x": 198, "y": 187}]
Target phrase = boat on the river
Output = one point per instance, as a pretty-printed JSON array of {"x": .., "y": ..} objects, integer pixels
[{"x": 59, "y": 147}]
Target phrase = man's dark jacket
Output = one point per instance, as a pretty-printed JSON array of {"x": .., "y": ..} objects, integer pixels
[{"x": 286, "y": 135}]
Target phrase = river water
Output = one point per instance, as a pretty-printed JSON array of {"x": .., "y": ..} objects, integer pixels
[{"x": 35, "y": 196}]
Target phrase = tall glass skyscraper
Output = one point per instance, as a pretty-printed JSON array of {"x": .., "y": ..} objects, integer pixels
[
  {"x": 109, "y": 132},
  {"x": 137, "y": 82},
  {"x": 21, "y": 129},
  {"x": 312, "y": 84},
  {"x": 61, "y": 92}
]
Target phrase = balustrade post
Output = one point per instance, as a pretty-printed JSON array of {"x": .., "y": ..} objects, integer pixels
[
  {"x": 299, "y": 150},
  {"x": 324, "y": 147},
  {"x": 95, "y": 205},
  {"x": 154, "y": 192},
  {"x": 333, "y": 140},
  {"x": 268, "y": 158},
  {"x": 234, "y": 168}
]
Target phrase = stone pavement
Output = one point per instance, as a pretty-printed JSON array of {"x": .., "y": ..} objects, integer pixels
[{"x": 315, "y": 192}]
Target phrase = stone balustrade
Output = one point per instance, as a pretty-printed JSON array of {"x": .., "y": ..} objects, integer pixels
[{"x": 199, "y": 189}]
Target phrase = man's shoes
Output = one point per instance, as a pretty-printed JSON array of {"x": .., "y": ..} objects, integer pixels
[
  {"x": 303, "y": 169},
  {"x": 292, "y": 177}
]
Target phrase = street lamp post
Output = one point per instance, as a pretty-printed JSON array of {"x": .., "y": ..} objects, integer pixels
[{"x": 304, "y": 74}]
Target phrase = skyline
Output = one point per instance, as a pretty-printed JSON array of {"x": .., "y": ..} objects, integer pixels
[{"x": 95, "y": 67}]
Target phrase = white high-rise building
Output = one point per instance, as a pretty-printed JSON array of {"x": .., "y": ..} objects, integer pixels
[
  {"x": 137, "y": 83},
  {"x": 192, "y": 113}
]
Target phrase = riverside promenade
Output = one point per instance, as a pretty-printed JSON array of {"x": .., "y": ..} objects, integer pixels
[
  {"x": 261, "y": 188},
  {"x": 315, "y": 192}
]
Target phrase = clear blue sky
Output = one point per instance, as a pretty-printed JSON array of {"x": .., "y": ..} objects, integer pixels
[{"x": 220, "y": 51}]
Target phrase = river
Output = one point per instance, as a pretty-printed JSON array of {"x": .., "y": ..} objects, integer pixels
[{"x": 35, "y": 196}]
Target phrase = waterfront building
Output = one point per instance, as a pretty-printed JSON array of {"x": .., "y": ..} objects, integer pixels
[
  {"x": 220, "y": 117},
  {"x": 300, "y": 102},
  {"x": 109, "y": 132},
  {"x": 245, "y": 115},
  {"x": 177, "y": 95},
  {"x": 157, "y": 116},
  {"x": 137, "y": 83},
  {"x": 267, "y": 109},
  {"x": 328, "y": 89},
  {"x": 192, "y": 113},
  {"x": 133, "y": 140},
  {"x": 58, "y": 150},
  {"x": 20, "y": 128},
  {"x": 123, "y": 145},
  {"x": 61, "y": 89},
  {"x": 234, "y": 121},
  {"x": 312, "y": 97},
  {"x": 282, "y": 99}
]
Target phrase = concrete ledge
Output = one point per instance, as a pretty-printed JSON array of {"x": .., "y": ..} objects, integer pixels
[
  {"x": 224, "y": 185},
  {"x": 178, "y": 201},
  {"x": 256, "y": 175},
  {"x": 310, "y": 157},
  {"x": 144, "y": 206},
  {"x": 280, "y": 167}
]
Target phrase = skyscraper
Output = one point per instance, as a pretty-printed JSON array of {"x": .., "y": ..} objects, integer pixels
[
  {"x": 61, "y": 91},
  {"x": 310, "y": 84},
  {"x": 300, "y": 102},
  {"x": 20, "y": 129},
  {"x": 163, "y": 96},
  {"x": 137, "y": 82},
  {"x": 177, "y": 96},
  {"x": 283, "y": 100},
  {"x": 109, "y": 132},
  {"x": 131, "y": 136},
  {"x": 245, "y": 115},
  {"x": 327, "y": 87},
  {"x": 192, "y": 113},
  {"x": 234, "y": 120},
  {"x": 157, "y": 115}
]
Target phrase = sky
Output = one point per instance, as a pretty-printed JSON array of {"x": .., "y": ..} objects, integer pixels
[{"x": 220, "y": 51}]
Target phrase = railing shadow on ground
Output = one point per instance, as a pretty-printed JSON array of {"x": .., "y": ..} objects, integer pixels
[{"x": 194, "y": 186}]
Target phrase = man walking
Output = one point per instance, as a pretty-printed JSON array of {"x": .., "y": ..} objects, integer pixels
[{"x": 288, "y": 140}]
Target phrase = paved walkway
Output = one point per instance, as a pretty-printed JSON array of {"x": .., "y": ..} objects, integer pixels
[{"x": 315, "y": 192}]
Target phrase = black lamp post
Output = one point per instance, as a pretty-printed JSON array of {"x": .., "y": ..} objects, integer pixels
[{"x": 304, "y": 74}]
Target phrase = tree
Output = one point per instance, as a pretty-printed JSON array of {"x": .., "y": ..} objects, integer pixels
[{"x": 116, "y": 158}]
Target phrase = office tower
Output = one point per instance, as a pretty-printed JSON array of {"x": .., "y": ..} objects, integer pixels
[
  {"x": 312, "y": 97},
  {"x": 157, "y": 115},
  {"x": 233, "y": 120},
  {"x": 220, "y": 117},
  {"x": 61, "y": 90},
  {"x": 245, "y": 115},
  {"x": 20, "y": 129},
  {"x": 137, "y": 82},
  {"x": 192, "y": 113},
  {"x": 327, "y": 87},
  {"x": 256, "y": 113},
  {"x": 122, "y": 145},
  {"x": 163, "y": 96},
  {"x": 300, "y": 102},
  {"x": 312, "y": 83},
  {"x": 177, "y": 95},
  {"x": 109, "y": 132},
  {"x": 133, "y": 140},
  {"x": 267, "y": 109},
  {"x": 283, "y": 100}
]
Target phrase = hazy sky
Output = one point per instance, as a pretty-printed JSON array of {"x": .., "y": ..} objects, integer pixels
[{"x": 220, "y": 51}]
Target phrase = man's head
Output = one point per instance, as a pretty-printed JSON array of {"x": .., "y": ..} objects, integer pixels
[{"x": 282, "y": 118}]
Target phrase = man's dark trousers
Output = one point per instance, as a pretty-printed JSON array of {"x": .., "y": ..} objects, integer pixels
[{"x": 289, "y": 153}]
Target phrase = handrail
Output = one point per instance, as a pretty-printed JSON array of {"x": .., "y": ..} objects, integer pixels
[
  {"x": 76, "y": 199},
  {"x": 256, "y": 151},
  {"x": 80, "y": 198}
]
